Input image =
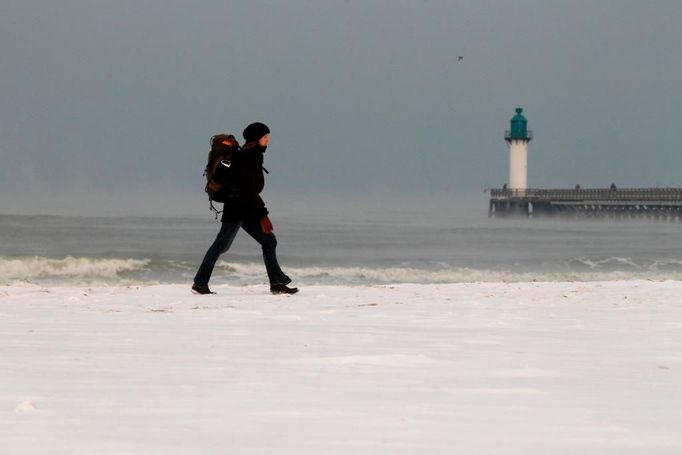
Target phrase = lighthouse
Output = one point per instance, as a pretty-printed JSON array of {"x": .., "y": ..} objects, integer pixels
[{"x": 518, "y": 138}]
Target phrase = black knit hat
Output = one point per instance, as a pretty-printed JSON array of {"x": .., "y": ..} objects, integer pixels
[{"x": 255, "y": 131}]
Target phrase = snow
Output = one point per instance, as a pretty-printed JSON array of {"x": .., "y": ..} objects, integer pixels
[{"x": 471, "y": 368}]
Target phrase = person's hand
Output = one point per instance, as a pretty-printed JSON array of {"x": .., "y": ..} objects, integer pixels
[{"x": 266, "y": 225}]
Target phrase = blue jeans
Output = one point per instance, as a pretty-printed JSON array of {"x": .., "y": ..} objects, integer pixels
[{"x": 223, "y": 241}]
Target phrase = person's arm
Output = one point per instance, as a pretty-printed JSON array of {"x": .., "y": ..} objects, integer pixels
[{"x": 253, "y": 204}]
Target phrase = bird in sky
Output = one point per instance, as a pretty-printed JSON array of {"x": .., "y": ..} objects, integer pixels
[{"x": 460, "y": 58}]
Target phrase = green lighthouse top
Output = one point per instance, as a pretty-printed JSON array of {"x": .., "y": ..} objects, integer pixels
[{"x": 519, "y": 128}]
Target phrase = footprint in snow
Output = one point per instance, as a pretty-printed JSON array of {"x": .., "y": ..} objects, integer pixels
[{"x": 25, "y": 406}]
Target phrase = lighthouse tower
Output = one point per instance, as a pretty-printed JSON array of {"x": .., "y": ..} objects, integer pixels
[{"x": 518, "y": 138}]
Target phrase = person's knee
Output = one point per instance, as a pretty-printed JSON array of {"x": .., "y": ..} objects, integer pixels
[
  {"x": 220, "y": 245},
  {"x": 224, "y": 240}
]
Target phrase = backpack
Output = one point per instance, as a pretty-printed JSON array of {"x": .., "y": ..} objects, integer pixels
[{"x": 220, "y": 172}]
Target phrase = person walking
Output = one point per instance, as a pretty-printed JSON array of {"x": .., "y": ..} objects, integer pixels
[{"x": 247, "y": 211}]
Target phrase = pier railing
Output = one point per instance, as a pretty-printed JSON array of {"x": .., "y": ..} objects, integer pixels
[{"x": 590, "y": 194}]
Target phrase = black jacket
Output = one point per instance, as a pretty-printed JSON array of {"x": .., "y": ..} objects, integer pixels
[{"x": 247, "y": 205}]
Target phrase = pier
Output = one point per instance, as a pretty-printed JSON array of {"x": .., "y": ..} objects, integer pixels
[{"x": 660, "y": 204}]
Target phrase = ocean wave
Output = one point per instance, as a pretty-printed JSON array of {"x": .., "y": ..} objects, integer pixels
[
  {"x": 606, "y": 263},
  {"x": 79, "y": 270},
  {"x": 388, "y": 275},
  {"x": 68, "y": 268},
  {"x": 666, "y": 264},
  {"x": 625, "y": 264}
]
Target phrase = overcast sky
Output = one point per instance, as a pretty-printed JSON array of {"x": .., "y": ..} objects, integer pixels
[{"x": 361, "y": 96}]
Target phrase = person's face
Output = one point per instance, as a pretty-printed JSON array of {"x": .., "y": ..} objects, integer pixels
[{"x": 264, "y": 141}]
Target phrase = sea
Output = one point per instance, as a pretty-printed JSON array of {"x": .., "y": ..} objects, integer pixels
[{"x": 365, "y": 248}]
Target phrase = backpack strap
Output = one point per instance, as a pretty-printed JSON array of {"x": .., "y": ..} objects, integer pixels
[{"x": 213, "y": 209}]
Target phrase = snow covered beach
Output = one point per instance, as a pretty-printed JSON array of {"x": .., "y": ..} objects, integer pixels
[{"x": 504, "y": 368}]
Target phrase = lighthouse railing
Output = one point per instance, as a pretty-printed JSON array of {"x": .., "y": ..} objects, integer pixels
[{"x": 508, "y": 136}]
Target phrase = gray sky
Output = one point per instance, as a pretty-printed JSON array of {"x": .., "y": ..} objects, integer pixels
[{"x": 363, "y": 97}]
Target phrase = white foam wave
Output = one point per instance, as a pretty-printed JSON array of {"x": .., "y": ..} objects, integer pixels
[
  {"x": 80, "y": 269},
  {"x": 69, "y": 267},
  {"x": 362, "y": 275},
  {"x": 666, "y": 264},
  {"x": 606, "y": 263}
]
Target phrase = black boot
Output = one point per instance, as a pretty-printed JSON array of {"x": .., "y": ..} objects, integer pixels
[
  {"x": 196, "y": 289},
  {"x": 282, "y": 289}
]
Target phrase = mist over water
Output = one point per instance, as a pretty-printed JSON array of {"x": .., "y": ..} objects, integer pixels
[{"x": 358, "y": 241}]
